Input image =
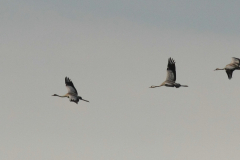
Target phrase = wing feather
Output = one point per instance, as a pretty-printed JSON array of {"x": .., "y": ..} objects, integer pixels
[
  {"x": 171, "y": 70},
  {"x": 70, "y": 86},
  {"x": 229, "y": 73},
  {"x": 235, "y": 61}
]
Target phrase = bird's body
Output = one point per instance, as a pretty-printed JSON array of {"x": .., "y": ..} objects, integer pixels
[
  {"x": 171, "y": 76},
  {"x": 234, "y": 65},
  {"x": 72, "y": 92}
]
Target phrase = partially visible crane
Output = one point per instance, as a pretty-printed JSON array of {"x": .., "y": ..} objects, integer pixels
[{"x": 234, "y": 65}]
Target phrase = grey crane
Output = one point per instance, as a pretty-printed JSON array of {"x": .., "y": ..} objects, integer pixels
[
  {"x": 72, "y": 92},
  {"x": 234, "y": 65},
  {"x": 171, "y": 76}
]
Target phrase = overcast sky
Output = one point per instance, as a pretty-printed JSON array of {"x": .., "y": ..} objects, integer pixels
[{"x": 113, "y": 51}]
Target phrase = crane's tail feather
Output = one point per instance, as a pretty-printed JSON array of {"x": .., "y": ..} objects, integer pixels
[{"x": 85, "y": 100}]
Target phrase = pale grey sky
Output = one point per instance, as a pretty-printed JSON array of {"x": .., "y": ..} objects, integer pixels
[{"x": 113, "y": 51}]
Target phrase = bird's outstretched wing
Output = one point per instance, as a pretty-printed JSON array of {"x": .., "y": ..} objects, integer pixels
[
  {"x": 171, "y": 70},
  {"x": 235, "y": 61},
  {"x": 70, "y": 86},
  {"x": 229, "y": 73}
]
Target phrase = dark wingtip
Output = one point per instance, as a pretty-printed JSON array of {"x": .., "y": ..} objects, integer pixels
[
  {"x": 67, "y": 79},
  {"x": 171, "y": 60}
]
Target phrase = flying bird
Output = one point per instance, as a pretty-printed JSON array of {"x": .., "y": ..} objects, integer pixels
[
  {"x": 171, "y": 76},
  {"x": 72, "y": 92},
  {"x": 234, "y": 65}
]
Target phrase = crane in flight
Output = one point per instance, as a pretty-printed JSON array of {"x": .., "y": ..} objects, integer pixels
[
  {"x": 72, "y": 92},
  {"x": 234, "y": 65},
  {"x": 171, "y": 76}
]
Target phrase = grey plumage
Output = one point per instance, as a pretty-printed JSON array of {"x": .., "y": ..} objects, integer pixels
[
  {"x": 171, "y": 76},
  {"x": 72, "y": 92},
  {"x": 234, "y": 65}
]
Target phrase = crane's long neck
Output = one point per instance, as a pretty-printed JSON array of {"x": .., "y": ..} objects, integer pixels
[
  {"x": 155, "y": 86},
  {"x": 219, "y": 69},
  {"x": 60, "y": 96}
]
